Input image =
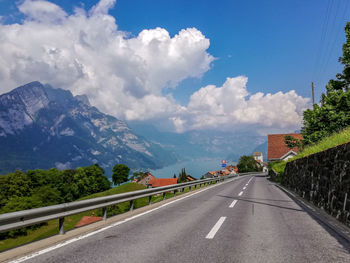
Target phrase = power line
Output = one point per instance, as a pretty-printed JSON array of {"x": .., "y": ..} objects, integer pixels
[
  {"x": 329, "y": 37},
  {"x": 339, "y": 30},
  {"x": 323, "y": 37}
]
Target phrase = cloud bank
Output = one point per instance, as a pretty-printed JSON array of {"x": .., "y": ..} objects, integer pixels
[
  {"x": 231, "y": 105},
  {"x": 125, "y": 75}
]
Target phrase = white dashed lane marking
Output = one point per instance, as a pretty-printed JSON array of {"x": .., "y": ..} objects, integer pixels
[
  {"x": 233, "y": 203},
  {"x": 215, "y": 228}
]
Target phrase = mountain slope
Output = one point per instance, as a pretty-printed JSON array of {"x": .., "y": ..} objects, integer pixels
[{"x": 43, "y": 127}]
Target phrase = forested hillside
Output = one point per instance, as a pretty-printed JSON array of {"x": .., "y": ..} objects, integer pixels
[{"x": 36, "y": 188}]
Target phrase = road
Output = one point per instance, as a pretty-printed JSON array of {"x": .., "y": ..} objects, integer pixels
[{"x": 246, "y": 220}]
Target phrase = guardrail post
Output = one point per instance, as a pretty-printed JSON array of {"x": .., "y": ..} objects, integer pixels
[
  {"x": 175, "y": 192},
  {"x": 61, "y": 225},
  {"x": 183, "y": 190},
  {"x": 104, "y": 213},
  {"x": 131, "y": 205},
  {"x": 150, "y": 200},
  {"x": 164, "y": 195}
]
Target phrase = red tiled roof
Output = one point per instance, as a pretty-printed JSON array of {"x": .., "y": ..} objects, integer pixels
[
  {"x": 146, "y": 178},
  {"x": 276, "y": 147},
  {"x": 157, "y": 182},
  {"x": 257, "y": 154}
]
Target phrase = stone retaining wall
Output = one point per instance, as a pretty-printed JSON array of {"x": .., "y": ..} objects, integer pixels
[
  {"x": 273, "y": 175},
  {"x": 323, "y": 179}
]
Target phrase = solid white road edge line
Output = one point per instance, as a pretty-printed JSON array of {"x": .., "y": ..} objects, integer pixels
[
  {"x": 215, "y": 228},
  {"x": 233, "y": 203},
  {"x": 43, "y": 251},
  {"x": 240, "y": 193}
]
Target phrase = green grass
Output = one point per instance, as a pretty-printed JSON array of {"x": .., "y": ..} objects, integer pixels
[
  {"x": 326, "y": 143},
  {"x": 52, "y": 226}
]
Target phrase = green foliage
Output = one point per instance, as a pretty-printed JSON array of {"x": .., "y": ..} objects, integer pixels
[
  {"x": 38, "y": 188},
  {"x": 292, "y": 142},
  {"x": 247, "y": 164},
  {"x": 138, "y": 176},
  {"x": 278, "y": 166},
  {"x": 182, "y": 176},
  {"x": 326, "y": 143},
  {"x": 120, "y": 174},
  {"x": 333, "y": 114}
]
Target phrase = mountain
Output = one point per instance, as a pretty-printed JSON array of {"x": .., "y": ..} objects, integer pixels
[{"x": 43, "y": 127}]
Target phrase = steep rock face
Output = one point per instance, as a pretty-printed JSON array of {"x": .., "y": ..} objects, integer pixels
[{"x": 43, "y": 127}]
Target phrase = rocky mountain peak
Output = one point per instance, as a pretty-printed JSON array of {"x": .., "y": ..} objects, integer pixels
[{"x": 50, "y": 127}]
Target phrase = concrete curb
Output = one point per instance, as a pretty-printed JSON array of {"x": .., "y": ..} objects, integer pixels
[{"x": 320, "y": 215}]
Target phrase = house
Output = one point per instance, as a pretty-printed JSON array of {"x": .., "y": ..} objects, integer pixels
[
  {"x": 145, "y": 180},
  {"x": 225, "y": 172},
  {"x": 158, "y": 182},
  {"x": 278, "y": 150},
  {"x": 258, "y": 156},
  {"x": 232, "y": 168},
  {"x": 262, "y": 165},
  {"x": 150, "y": 181},
  {"x": 211, "y": 174},
  {"x": 189, "y": 178}
]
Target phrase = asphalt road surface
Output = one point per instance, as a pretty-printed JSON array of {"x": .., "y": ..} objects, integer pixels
[{"x": 246, "y": 220}]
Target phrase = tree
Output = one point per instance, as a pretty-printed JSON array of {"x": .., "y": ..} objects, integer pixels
[
  {"x": 138, "y": 175},
  {"x": 247, "y": 164},
  {"x": 120, "y": 174},
  {"x": 292, "y": 142},
  {"x": 333, "y": 113},
  {"x": 182, "y": 176}
]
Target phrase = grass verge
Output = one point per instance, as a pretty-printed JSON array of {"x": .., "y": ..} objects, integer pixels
[
  {"x": 326, "y": 143},
  {"x": 51, "y": 228}
]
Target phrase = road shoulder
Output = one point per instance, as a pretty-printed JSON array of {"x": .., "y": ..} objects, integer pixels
[{"x": 338, "y": 230}]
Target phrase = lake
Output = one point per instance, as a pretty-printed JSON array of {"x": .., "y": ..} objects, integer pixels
[{"x": 195, "y": 168}]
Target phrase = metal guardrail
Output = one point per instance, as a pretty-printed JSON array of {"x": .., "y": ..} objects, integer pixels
[{"x": 19, "y": 219}]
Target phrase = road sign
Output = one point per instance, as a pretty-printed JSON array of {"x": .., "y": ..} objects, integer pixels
[{"x": 223, "y": 163}]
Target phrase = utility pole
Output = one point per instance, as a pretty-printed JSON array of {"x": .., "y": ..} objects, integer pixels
[{"x": 313, "y": 94}]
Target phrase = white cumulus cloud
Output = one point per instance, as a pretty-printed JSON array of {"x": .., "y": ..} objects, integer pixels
[
  {"x": 87, "y": 54},
  {"x": 231, "y": 106},
  {"x": 42, "y": 11},
  {"x": 126, "y": 75}
]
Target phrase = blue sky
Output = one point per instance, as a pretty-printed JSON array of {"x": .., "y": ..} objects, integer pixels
[
  {"x": 278, "y": 45},
  {"x": 274, "y": 43}
]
